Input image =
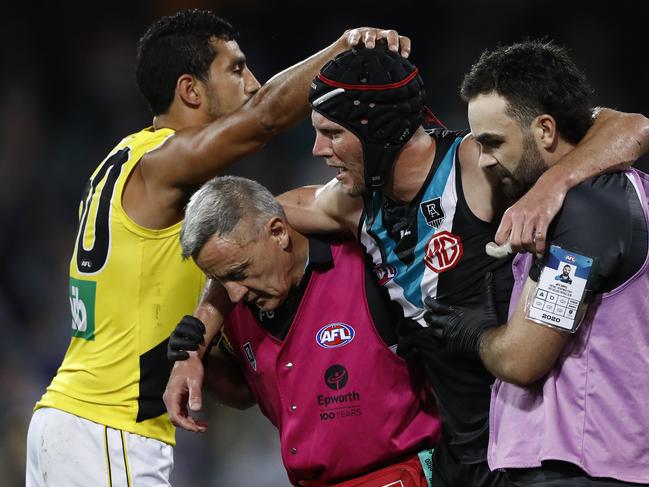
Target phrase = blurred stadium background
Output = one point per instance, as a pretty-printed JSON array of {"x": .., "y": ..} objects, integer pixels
[{"x": 68, "y": 96}]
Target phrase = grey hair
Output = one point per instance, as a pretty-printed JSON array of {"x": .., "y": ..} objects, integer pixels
[{"x": 220, "y": 205}]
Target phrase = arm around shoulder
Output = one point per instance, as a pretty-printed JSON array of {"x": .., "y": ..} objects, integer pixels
[
  {"x": 614, "y": 142},
  {"x": 322, "y": 209}
]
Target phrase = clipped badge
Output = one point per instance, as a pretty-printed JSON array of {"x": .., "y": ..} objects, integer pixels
[{"x": 558, "y": 297}]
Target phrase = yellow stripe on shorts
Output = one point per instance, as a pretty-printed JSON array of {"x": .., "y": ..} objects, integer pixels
[
  {"x": 110, "y": 478},
  {"x": 128, "y": 471}
]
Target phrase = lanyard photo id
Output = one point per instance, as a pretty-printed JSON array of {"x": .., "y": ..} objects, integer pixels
[{"x": 558, "y": 296}]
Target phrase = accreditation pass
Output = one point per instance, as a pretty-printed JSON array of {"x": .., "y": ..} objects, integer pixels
[{"x": 560, "y": 290}]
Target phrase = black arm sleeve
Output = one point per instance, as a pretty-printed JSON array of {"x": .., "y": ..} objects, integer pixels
[{"x": 602, "y": 218}]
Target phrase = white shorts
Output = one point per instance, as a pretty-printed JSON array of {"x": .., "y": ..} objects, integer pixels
[{"x": 64, "y": 450}]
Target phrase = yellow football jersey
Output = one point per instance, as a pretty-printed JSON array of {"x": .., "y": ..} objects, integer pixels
[{"x": 129, "y": 287}]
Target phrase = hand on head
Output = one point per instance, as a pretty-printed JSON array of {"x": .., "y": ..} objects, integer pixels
[{"x": 368, "y": 36}]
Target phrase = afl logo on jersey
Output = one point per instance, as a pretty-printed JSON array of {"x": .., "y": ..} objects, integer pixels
[
  {"x": 385, "y": 273},
  {"x": 443, "y": 251},
  {"x": 335, "y": 335}
]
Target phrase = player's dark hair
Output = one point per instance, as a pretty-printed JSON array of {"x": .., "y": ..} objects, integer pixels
[
  {"x": 176, "y": 45},
  {"x": 535, "y": 77}
]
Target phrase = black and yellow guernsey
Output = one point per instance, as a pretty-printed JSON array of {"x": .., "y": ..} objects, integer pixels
[{"x": 129, "y": 286}]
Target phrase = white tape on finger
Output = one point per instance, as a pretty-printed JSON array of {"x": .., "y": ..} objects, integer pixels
[{"x": 498, "y": 251}]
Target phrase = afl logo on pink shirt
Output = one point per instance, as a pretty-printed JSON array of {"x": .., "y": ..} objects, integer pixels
[{"x": 335, "y": 335}]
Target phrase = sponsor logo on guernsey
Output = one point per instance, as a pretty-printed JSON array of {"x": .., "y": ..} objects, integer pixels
[
  {"x": 338, "y": 406},
  {"x": 247, "y": 349},
  {"x": 335, "y": 335},
  {"x": 338, "y": 399},
  {"x": 82, "y": 307},
  {"x": 385, "y": 273},
  {"x": 433, "y": 212},
  {"x": 443, "y": 251},
  {"x": 335, "y": 377}
]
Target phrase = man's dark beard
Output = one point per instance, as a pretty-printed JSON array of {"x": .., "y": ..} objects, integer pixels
[{"x": 528, "y": 170}]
